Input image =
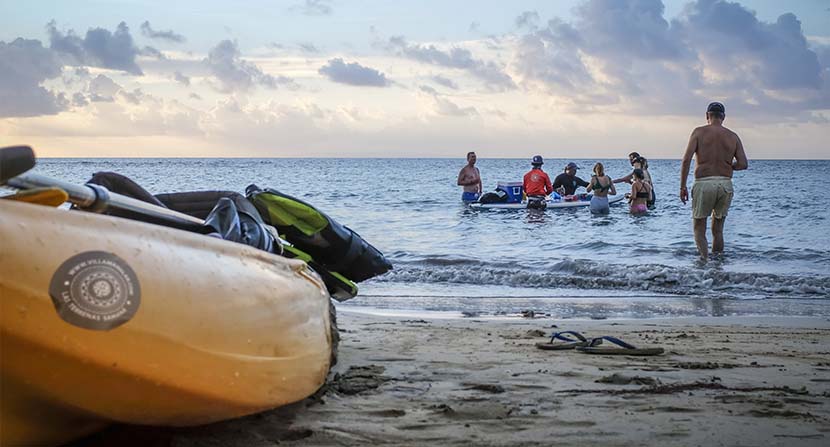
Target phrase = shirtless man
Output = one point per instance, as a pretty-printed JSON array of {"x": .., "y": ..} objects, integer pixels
[
  {"x": 470, "y": 179},
  {"x": 718, "y": 152}
]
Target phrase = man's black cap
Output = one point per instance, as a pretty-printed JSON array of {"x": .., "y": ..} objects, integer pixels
[{"x": 716, "y": 107}]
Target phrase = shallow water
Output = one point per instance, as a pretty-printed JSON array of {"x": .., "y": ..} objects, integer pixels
[{"x": 448, "y": 257}]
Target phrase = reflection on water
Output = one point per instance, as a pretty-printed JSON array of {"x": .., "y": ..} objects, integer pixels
[
  {"x": 535, "y": 216},
  {"x": 714, "y": 308}
]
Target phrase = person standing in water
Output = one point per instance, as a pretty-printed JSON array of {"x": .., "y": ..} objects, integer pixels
[
  {"x": 470, "y": 179},
  {"x": 567, "y": 182},
  {"x": 632, "y": 158},
  {"x": 642, "y": 163},
  {"x": 639, "y": 162},
  {"x": 601, "y": 185},
  {"x": 536, "y": 184},
  {"x": 640, "y": 192},
  {"x": 718, "y": 152}
]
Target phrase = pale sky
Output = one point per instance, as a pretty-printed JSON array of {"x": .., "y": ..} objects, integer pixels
[{"x": 428, "y": 78}]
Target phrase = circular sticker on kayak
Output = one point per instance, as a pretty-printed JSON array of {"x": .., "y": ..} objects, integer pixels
[{"x": 95, "y": 290}]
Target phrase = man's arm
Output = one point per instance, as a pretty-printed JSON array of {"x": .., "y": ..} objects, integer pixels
[
  {"x": 741, "y": 163},
  {"x": 548, "y": 187},
  {"x": 686, "y": 164},
  {"x": 580, "y": 182},
  {"x": 626, "y": 179},
  {"x": 478, "y": 180}
]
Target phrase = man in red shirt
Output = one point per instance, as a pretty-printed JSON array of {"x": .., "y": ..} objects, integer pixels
[{"x": 537, "y": 184}]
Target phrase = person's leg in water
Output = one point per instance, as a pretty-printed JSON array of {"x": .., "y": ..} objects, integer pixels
[
  {"x": 717, "y": 234},
  {"x": 700, "y": 238}
]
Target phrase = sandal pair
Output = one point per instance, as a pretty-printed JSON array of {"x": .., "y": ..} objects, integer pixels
[{"x": 592, "y": 346}]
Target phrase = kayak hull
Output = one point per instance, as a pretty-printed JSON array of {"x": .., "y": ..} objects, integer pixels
[
  {"x": 218, "y": 330},
  {"x": 551, "y": 204}
]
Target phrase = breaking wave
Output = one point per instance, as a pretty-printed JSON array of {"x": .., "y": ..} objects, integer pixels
[{"x": 587, "y": 274}]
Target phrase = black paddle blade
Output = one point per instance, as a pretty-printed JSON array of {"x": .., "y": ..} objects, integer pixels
[{"x": 15, "y": 160}]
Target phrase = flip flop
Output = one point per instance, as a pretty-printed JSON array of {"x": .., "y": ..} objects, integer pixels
[
  {"x": 623, "y": 348},
  {"x": 565, "y": 342}
]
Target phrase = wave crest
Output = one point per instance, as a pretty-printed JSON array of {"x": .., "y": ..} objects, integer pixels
[{"x": 586, "y": 274}]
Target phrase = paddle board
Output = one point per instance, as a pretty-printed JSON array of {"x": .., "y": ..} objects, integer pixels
[{"x": 551, "y": 204}]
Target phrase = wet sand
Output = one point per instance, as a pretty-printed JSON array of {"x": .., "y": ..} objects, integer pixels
[{"x": 413, "y": 381}]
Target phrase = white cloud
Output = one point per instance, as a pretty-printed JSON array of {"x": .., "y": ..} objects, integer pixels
[
  {"x": 102, "y": 89},
  {"x": 99, "y": 48},
  {"x": 527, "y": 19},
  {"x": 181, "y": 79},
  {"x": 236, "y": 74},
  {"x": 168, "y": 35},
  {"x": 490, "y": 72},
  {"x": 353, "y": 73},
  {"x": 623, "y": 56},
  {"x": 441, "y": 105},
  {"x": 25, "y": 64},
  {"x": 445, "y": 81},
  {"x": 314, "y": 7}
]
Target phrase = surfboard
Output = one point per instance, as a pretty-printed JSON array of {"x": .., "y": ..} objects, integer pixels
[{"x": 552, "y": 204}]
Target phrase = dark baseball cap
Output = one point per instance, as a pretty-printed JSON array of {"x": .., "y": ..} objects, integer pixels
[
  {"x": 571, "y": 165},
  {"x": 716, "y": 107},
  {"x": 537, "y": 160}
]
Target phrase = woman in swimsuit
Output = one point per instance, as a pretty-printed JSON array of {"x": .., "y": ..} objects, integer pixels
[
  {"x": 601, "y": 185},
  {"x": 641, "y": 163},
  {"x": 640, "y": 193}
]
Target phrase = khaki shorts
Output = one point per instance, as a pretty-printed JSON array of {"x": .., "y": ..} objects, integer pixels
[{"x": 711, "y": 196}]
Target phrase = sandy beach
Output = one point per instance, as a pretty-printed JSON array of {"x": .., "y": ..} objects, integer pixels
[
  {"x": 415, "y": 381},
  {"x": 188, "y": 189}
]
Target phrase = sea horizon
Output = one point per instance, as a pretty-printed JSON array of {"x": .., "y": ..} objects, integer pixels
[{"x": 460, "y": 158}]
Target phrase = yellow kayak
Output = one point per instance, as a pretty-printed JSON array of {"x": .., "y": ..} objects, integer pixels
[{"x": 106, "y": 320}]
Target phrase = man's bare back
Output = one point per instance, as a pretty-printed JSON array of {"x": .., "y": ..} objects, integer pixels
[
  {"x": 717, "y": 151},
  {"x": 716, "y": 148}
]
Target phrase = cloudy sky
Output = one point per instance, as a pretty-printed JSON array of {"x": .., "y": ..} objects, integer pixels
[{"x": 426, "y": 78}]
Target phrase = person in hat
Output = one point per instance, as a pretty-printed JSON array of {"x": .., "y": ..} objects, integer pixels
[
  {"x": 567, "y": 182},
  {"x": 718, "y": 152},
  {"x": 470, "y": 180},
  {"x": 537, "y": 184}
]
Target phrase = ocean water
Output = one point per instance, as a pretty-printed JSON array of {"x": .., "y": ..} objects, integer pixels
[{"x": 449, "y": 259}]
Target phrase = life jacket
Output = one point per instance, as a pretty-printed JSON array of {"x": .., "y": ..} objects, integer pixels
[{"x": 333, "y": 246}]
